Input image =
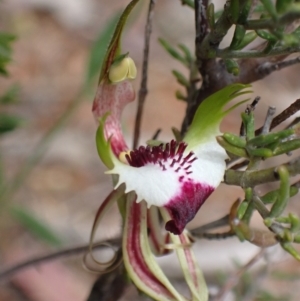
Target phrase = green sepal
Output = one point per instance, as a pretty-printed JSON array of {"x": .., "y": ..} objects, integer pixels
[
  {"x": 210, "y": 113},
  {"x": 103, "y": 146},
  {"x": 114, "y": 47}
]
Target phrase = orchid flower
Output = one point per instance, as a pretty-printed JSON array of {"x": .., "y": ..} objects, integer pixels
[{"x": 174, "y": 178}]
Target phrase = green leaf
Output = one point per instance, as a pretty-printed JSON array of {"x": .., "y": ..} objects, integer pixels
[
  {"x": 35, "y": 226},
  {"x": 172, "y": 51},
  {"x": 232, "y": 66},
  {"x": 11, "y": 95},
  {"x": 181, "y": 79},
  {"x": 5, "y": 50},
  {"x": 8, "y": 122},
  {"x": 270, "y": 8},
  {"x": 283, "y": 5}
]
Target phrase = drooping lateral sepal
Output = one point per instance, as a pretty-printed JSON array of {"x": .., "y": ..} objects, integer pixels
[
  {"x": 190, "y": 268},
  {"x": 104, "y": 207},
  {"x": 140, "y": 264},
  {"x": 158, "y": 239}
]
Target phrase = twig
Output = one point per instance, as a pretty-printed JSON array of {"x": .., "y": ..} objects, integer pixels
[
  {"x": 250, "y": 108},
  {"x": 268, "y": 120},
  {"x": 223, "y": 221},
  {"x": 234, "y": 279},
  {"x": 9, "y": 272},
  {"x": 252, "y": 178},
  {"x": 156, "y": 134},
  {"x": 212, "y": 40},
  {"x": 284, "y": 115},
  {"x": 217, "y": 236},
  {"x": 143, "y": 89},
  {"x": 267, "y": 67},
  {"x": 201, "y": 23}
]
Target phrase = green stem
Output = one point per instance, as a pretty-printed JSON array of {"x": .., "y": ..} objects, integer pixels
[
  {"x": 252, "y": 178},
  {"x": 227, "y": 53},
  {"x": 288, "y": 18}
]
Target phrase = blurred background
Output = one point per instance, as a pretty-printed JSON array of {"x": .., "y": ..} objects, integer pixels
[{"x": 63, "y": 191}]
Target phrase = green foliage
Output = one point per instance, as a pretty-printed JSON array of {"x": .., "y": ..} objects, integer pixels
[
  {"x": 284, "y": 229},
  {"x": 10, "y": 96},
  {"x": 9, "y": 122},
  {"x": 186, "y": 56},
  {"x": 35, "y": 226},
  {"x": 5, "y": 51}
]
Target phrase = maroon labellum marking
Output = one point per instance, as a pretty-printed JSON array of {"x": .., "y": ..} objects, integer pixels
[
  {"x": 160, "y": 154},
  {"x": 185, "y": 205}
]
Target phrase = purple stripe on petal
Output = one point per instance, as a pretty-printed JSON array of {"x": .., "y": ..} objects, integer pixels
[
  {"x": 132, "y": 248},
  {"x": 183, "y": 207}
]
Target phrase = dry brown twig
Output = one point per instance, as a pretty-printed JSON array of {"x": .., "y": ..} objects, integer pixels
[{"x": 143, "y": 88}]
